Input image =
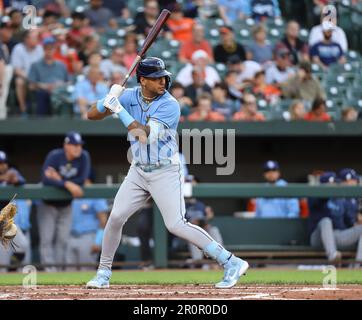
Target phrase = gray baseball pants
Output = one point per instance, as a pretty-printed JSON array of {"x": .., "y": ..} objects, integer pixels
[
  {"x": 196, "y": 253},
  {"x": 332, "y": 240},
  {"x": 165, "y": 185},
  {"x": 79, "y": 250},
  {"x": 54, "y": 225}
]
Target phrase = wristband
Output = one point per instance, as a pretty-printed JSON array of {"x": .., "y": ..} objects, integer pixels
[
  {"x": 125, "y": 117},
  {"x": 100, "y": 107}
]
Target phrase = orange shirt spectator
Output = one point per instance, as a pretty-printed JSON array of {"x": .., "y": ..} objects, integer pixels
[
  {"x": 70, "y": 59},
  {"x": 262, "y": 89},
  {"x": 249, "y": 110},
  {"x": 212, "y": 116},
  {"x": 198, "y": 42},
  {"x": 243, "y": 116},
  {"x": 203, "y": 110},
  {"x": 180, "y": 26},
  {"x": 318, "y": 112}
]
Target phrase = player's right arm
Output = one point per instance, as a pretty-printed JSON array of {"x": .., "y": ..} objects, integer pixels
[{"x": 94, "y": 114}]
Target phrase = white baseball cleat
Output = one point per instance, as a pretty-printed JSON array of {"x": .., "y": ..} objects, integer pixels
[
  {"x": 233, "y": 270},
  {"x": 101, "y": 280}
]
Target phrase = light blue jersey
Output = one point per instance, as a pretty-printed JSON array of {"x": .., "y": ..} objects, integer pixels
[
  {"x": 164, "y": 110},
  {"x": 22, "y": 217},
  {"x": 85, "y": 212}
]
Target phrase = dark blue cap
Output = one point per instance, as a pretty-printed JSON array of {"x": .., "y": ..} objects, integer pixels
[
  {"x": 73, "y": 137},
  {"x": 3, "y": 157},
  {"x": 348, "y": 174},
  {"x": 271, "y": 165},
  {"x": 49, "y": 40},
  {"x": 328, "y": 177}
]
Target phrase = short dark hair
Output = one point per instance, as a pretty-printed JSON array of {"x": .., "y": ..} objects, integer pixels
[
  {"x": 317, "y": 103},
  {"x": 176, "y": 85},
  {"x": 221, "y": 85},
  {"x": 78, "y": 15},
  {"x": 13, "y": 11}
]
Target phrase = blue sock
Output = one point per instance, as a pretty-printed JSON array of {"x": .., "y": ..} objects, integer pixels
[{"x": 217, "y": 252}]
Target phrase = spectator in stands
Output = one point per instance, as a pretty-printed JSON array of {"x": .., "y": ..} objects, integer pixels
[
  {"x": 296, "y": 111},
  {"x": 99, "y": 16},
  {"x": 10, "y": 176},
  {"x": 180, "y": 26},
  {"x": 49, "y": 24},
  {"x": 78, "y": 31},
  {"x": 303, "y": 85},
  {"x": 198, "y": 86},
  {"x": 259, "y": 49},
  {"x": 221, "y": 103},
  {"x": 280, "y": 70},
  {"x": 199, "y": 60},
  {"x": 114, "y": 64},
  {"x": 178, "y": 91},
  {"x": 276, "y": 207},
  {"x": 349, "y": 114},
  {"x": 119, "y": 8},
  {"x": 89, "y": 218},
  {"x": 66, "y": 168},
  {"x": 246, "y": 70},
  {"x": 233, "y": 85},
  {"x": 203, "y": 110},
  {"x": 145, "y": 20},
  {"x": 65, "y": 54},
  {"x": 23, "y": 56},
  {"x": 6, "y": 36},
  {"x": 297, "y": 49},
  {"x": 228, "y": 47},
  {"x": 60, "y": 7},
  {"x": 263, "y": 9},
  {"x": 91, "y": 44},
  {"x": 6, "y": 73},
  {"x": 198, "y": 42},
  {"x": 331, "y": 226},
  {"x": 316, "y": 35},
  {"x": 327, "y": 52},
  {"x": 94, "y": 62},
  {"x": 233, "y": 10},
  {"x": 88, "y": 91},
  {"x": 265, "y": 91},
  {"x": 130, "y": 49},
  {"x": 318, "y": 111},
  {"x": 45, "y": 76},
  {"x": 16, "y": 24},
  {"x": 248, "y": 110}
]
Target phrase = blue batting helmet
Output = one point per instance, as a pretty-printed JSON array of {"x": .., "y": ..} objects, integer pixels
[{"x": 153, "y": 67}]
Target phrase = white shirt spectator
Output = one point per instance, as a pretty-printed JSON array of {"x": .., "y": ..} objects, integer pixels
[
  {"x": 250, "y": 69},
  {"x": 185, "y": 75},
  {"x": 338, "y": 36},
  {"x": 22, "y": 58},
  {"x": 274, "y": 75}
]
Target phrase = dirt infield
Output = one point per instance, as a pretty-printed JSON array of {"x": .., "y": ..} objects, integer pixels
[{"x": 155, "y": 292}]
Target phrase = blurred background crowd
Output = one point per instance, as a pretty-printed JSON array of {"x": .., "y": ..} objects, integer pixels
[{"x": 235, "y": 60}]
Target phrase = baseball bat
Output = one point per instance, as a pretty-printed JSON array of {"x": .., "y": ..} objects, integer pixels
[{"x": 151, "y": 37}]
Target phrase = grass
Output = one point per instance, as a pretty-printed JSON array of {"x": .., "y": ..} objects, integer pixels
[{"x": 257, "y": 276}]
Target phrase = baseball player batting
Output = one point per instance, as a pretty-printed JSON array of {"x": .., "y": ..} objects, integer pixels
[{"x": 151, "y": 115}]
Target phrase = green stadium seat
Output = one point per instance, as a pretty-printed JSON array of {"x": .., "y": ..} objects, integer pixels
[
  {"x": 354, "y": 93},
  {"x": 336, "y": 91},
  {"x": 62, "y": 101}
]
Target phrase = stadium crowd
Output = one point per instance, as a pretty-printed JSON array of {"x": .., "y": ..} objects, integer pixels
[{"x": 231, "y": 60}]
